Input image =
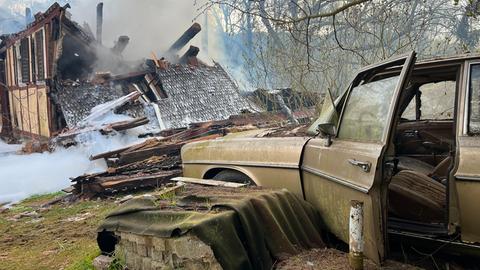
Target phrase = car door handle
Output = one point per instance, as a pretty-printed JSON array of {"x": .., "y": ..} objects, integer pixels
[{"x": 364, "y": 165}]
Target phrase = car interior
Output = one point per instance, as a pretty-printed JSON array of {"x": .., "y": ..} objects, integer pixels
[{"x": 424, "y": 143}]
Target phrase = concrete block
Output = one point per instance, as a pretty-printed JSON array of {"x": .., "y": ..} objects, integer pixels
[
  {"x": 191, "y": 248},
  {"x": 130, "y": 260},
  {"x": 160, "y": 266},
  {"x": 168, "y": 259},
  {"x": 138, "y": 263},
  {"x": 143, "y": 250},
  {"x": 177, "y": 262},
  {"x": 102, "y": 262},
  {"x": 156, "y": 254},
  {"x": 147, "y": 264},
  {"x": 158, "y": 243}
]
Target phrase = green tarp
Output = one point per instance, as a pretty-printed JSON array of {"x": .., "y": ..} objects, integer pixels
[{"x": 245, "y": 231}]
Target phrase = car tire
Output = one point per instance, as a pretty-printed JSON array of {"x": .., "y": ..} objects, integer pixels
[{"x": 233, "y": 176}]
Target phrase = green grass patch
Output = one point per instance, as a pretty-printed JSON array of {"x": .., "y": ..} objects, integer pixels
[
  {"x": 85, "y": 262},
  {"x": 39, "y": 198}
]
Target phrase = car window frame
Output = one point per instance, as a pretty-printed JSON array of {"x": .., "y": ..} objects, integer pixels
[
  {"x": 409, "y": 59},
  {"x": 467, "y": 107},
  {"x": 414, "y": 101}
]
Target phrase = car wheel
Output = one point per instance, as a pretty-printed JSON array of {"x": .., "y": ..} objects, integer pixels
[{"x": 233, "y": 176}]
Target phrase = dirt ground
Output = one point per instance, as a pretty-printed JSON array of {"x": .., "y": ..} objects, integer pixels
[
  {"x": 331, "y": 259},
  {"x": 61, "y": 236}
]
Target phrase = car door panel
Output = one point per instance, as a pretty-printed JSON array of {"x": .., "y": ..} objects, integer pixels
[
  {"x": 467, "y": 171},
  {"x": 334, "y": 175},
  {"x": 326, "y": 177}
]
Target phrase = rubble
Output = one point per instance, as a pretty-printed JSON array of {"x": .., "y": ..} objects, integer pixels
[
  {"x": 152, "y": 163},
  {"x": 80, "y": 87},
  {"x": 71, "y": 73}
]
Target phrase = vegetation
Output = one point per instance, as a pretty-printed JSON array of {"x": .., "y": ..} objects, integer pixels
[
  {"x": 62, "y": 236},
  {"x": 314, "y": 45}
]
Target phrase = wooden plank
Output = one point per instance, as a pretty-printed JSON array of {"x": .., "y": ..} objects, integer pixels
[
  {"x": 207, "y": 182},
  {"x": 109, "y": 153},
  {"x": 149, "y": 152},
  {"x": 119, "y": 126},
  {"x": 149, "y": 180}
]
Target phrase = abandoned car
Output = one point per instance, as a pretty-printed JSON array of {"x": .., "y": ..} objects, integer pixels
[{"x": 403, "y": 139}]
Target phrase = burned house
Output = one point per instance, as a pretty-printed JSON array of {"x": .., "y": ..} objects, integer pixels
[
  {"x": 55, "y": 72},
  {"x": 48, "y": 49}
]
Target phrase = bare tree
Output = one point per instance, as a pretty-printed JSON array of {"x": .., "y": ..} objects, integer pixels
[{"x": 313, "y": 45}]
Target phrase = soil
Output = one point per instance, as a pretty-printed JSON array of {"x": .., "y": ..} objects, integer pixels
[
  {"x": 61, "y": 236},
  {"x": 331, "y": 259}
]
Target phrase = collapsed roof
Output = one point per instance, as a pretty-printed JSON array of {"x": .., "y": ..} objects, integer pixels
[{"x": 81, "y": 74}]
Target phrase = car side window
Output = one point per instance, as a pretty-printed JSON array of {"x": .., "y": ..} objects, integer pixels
[
  {"x": 474, "y": 103},
  {"x": 366, "y": 112},
  {"x": 437, "y": 101}
]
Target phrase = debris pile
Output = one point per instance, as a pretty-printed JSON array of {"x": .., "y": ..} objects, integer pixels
[
  {"x": 152, "y": 163},
  {"x": 69, "y": 87},
  {"x": 54, "y": 89}
]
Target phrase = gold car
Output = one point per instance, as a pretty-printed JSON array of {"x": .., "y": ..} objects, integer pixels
[{"x": 404, "y": 139}]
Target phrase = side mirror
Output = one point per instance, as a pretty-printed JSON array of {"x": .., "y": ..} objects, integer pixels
[{"x": 327, "y": 130}]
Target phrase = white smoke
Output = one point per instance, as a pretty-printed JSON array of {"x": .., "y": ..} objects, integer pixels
[
  {"x": 152, "y": 25},
  {"x": 24, "y": 175}
]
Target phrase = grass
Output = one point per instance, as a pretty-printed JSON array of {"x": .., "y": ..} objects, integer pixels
[{"x": 63, "y": 237}]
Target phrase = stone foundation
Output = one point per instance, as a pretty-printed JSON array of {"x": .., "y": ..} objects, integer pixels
[{"x": 141, "y": 252}]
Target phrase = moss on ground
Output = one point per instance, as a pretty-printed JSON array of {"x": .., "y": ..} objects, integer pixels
[{"x": 60, "y": 237}]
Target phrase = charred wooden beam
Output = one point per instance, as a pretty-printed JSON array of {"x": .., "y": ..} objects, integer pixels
[
  {"x": 190, "y": 56},
  {"x": 109, "y": 154},
  {"x": 121, "y": 44},
  {"x": 136, "y": 182},
  {"x": 124, "y": 125},
  {"x": 142, "y": 154},
  {"x": 185, "y": 38},
  {"x": 99, "y": 22}
]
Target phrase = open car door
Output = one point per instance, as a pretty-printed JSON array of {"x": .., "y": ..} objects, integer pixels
[{"x": 350, "y": 166}]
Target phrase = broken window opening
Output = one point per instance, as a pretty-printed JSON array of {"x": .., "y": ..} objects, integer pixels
[
  {"x": 24, "y": 60},
  {"x": 16, "y": 64},
  {"x": 33, "y": 60},
  {"x": 39, "y": 47},
  {"x": 77, "y": 60}
]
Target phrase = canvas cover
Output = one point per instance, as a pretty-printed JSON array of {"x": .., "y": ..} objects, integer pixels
[{"x": 245, "y": 231}]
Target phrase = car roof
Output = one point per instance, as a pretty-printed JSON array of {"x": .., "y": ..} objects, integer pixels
[{"x": 452, "y": 59}]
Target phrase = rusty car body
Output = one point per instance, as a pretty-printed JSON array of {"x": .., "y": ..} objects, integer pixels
[{"x": 398, "y": 119}]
